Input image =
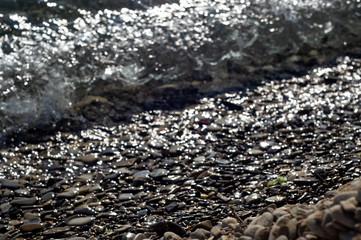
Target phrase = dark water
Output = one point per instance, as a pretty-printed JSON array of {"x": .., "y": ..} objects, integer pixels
[{"x": 54, "y": 53}]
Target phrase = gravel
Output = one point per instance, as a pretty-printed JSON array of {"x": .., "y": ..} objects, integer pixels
[{"x": 263, "y": 163}]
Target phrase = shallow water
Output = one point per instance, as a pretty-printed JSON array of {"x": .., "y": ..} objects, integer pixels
[{"x": 54, "y": 53}]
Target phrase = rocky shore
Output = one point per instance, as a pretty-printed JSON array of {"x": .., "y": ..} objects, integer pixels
[{"x": 264, "y": 163}]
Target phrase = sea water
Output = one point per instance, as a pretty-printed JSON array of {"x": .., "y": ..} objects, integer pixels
[{"x": 55, "y": 52}]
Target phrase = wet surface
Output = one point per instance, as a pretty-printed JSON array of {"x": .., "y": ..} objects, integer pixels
[
  {"x": 284, "y": 142},
  {"x": 56, "y": 55}
]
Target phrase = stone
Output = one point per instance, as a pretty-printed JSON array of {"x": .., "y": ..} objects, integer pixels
[
  {"x": 284, "y": 220},
  {"x": 22, "y": 192},
  {"x": 266, "y": 220},
  {"x": 140, "y": 236},
  {"x": 229, "y": 222},
  {"x": 252, "y": 230},
  {"x": 125, "y": 196},
  {"x": 341, "y": 217},
  {"x": 173, "y": 206},
  {"x": 253, "y": 199},
  {"x": 216, "y": 231},
  {"x": 349, "y": 205},
  {"x": 344, "y": 196},
  {"x": 56, "y": 230},
  {"x": 141, "y": 176},
  {"x": 313, "y": 222},
  {"x": 274, "y": 232},
  {"x": 161, "y": 227},
  {"x": 292, "y": 228},
  {"x": 88, "y": 158},
  {"x": 262, "y": 233},
  {"x": 254, "y": 152},
  {"x": 85, "y": 211},
  {"x": 159, "y": 172},
  {"x": 68, "y": 193},
  {"x": 5, "y": 207},
  {"x": 22, "y": 201},
  {"x": 78, "y": 221},
  {"x": 207, "y": 225},
  {"x": 9, "y": 184},
  {"x": 171, "y": 236},
  {"x": 31, "y": 227},
  {"x": 200, "y": 234},
  {"x": 358, "y": 214},
  {"x": 279, "y": 213},
  {"x": 47, "y": 196}
]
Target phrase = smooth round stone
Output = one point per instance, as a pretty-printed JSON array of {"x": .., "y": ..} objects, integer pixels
[
  {"x": 5, "y": 207},
  {"x": 79, "y": 221},
  {"x": 216, "y": 231},
  {"x": 266, "y": 144},
  {"x": 253, "y": 198},
  {"x": 84, "y": 178},
  {"x": 200, "y": 159},
  {"x": 229, "y": 222},
  {"x": 47, "y": 196},
  {"x": 125, "y": 196},
  {"x": 32, "y": 220},
  {"x": 22, "y": 192},
  {"x": 24, "y": 201},
  {"x": 9, "y": 184},
  {"x": 161, "y": 227},
  {"x": 171, "y": 207},
  {"x": 123, "y": 228},
  {"x": 159, "y": 172},
  {"x": 214, "y": 128},
  {"x": 128, "y": 236},
  {"x": 89, "y": 158},
  {"x": 171, "y": 236},
  {"x": 254, "y": 152},
  {"x": 30, "y": 215},
  {"x": 140, "y": 236},
  {"x": 68, "y": 193},
  {"x": 207, "y": 225},
  {"x": 252, "y": 230},
  {"x": 56, "y": 230},
  {"x": 200, "y": 234},
  {"x": 275, "y": 199},
  {"x": 125, "y": 162},
  {"x": 266, "y": 220},
  {"x": 141, "y": 176},
  {"x": 344, "y": 196},
  {"x": 95, "y": 188},
  {"x": 85, "y": 211},
  {"x": 31, "y": 227}
]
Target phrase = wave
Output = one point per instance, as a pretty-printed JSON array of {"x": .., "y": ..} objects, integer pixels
[{"x": 55, "y": 53}]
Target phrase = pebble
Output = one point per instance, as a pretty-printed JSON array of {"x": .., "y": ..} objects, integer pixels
[
  {"x": 254, "y": 198},
  {"x": 31, "y": 227},
  {"x": 166, "y": 171},
  {"x": 171, "y": 236},
  {"x": 200, "y": 234},
  {"x": 22, "y": 201},
  {"x": 89, "y": 158},
  {"x": 78, "y": 221},
  {"x": 9, "y": 184},
  {"x": 229, "y": 222}
]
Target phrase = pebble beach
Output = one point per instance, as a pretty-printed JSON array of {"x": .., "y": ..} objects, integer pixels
[{"x": 279, "y": 160}]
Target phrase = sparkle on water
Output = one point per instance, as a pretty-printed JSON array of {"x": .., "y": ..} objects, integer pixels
[{"x": 47, "y": 65}]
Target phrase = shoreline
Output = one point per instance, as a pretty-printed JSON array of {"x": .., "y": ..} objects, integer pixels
[{"x": 285, "y": 142}]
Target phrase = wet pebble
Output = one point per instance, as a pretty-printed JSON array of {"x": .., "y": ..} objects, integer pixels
[
  {"x": 78, "y": 221},
  {"x": 22, "y": 201},
  {"x": 10, "y": 184}
]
